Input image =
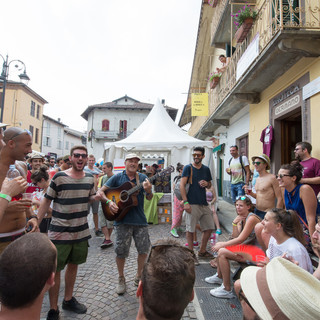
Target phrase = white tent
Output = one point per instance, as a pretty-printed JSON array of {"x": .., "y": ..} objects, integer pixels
[{"x": 161, "y": 135}]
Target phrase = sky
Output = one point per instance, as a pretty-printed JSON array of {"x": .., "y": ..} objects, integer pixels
[{"x": 84, "y": 52}]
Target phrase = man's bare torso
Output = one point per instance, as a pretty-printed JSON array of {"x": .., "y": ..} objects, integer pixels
[{"x": 265, "y": 192}]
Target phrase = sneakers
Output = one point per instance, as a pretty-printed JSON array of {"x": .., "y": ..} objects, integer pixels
[
  {"x": 136, "y": 280},
  {"x": 106, "y": 243},
  {"x": 196, "y": 261},
  {"x": 98, "y": 233},
  {"x": 218, "y": 231},
  {"x": 214, "y": 279},
  {"x": 53, "y": 314},
  {"x": 121, "y": 288},
  {"x": 74, "y": 306},
  {"x": 222, "y": 293},
  {"x": 195, "y": 244},
  {"x": 174, "y": 233}
]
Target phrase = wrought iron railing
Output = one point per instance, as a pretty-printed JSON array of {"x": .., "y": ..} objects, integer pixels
[
  {"x": 273, "y": 16},
  {"x": 218, "y": 12}
]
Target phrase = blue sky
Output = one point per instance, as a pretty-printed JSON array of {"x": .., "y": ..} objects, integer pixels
[{"x": 83, "y": 52}]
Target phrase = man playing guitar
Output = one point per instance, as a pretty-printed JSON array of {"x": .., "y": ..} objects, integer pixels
[{"x": 134, "y": 223}]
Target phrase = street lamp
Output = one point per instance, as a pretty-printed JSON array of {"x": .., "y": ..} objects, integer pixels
[{"x": 4, "y": 77}]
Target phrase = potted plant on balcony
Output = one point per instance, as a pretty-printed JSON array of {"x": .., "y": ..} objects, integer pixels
[
  {"x": 213, "y": 3},
  {"x": 214, "y": 79},
  {"x": 243, "y": 20}
]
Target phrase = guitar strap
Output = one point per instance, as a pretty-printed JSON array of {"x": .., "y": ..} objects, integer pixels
[{"x": 137, "y": 179}]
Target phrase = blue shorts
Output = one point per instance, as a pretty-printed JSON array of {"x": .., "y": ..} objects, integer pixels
[
  {"x": 260, "y": 214},
  {"x": 236, "y": 190}
]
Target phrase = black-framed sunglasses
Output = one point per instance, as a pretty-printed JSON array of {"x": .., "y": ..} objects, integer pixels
[
  {"x": 241, "y": 198},
  {"x": 82, "y": 155},
  {"x": 283, "y": 175},
  {"x": 197, "y": 155},
  {"x": 153, "y": 247},
  {"x": 242, "y": 297},
  {"x": 257, "y": 163}
]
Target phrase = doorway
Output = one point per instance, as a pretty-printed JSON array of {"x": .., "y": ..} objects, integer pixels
[{"x": 291, "y": 133}]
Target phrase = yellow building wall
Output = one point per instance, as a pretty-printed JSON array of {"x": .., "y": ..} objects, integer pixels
[
  {"x": 17, "y": 113},
  {"x": 259, "y": 113}
]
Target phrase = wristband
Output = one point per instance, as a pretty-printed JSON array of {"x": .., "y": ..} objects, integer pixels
[
  {"x": 186, "y": 202},
  {"x": 34, "y": 216},
  {"x": 5, "y": 196},
  {"x": 234, "y": 224},
  {"x": 108, "y": 201}
]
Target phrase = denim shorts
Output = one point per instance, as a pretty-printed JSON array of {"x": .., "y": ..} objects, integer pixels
[
  {"x": 236, "y": 190},
  {"x": 259, "y": 213},
  {"x": 125, "y": 233}
]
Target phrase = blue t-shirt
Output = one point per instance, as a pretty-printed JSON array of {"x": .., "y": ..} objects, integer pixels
[
  {"x": 197, "y": 194},
  {"x": 135, "y": 215}
]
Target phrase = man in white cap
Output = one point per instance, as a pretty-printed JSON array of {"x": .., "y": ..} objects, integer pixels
[
  {"x": 267, "y": 192},
  {"x": 281, "y": 290},
  {"x": 134, "y": 223},
  {"x": 36, "y": 160}
]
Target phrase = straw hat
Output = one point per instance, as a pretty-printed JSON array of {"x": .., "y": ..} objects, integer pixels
[
  {"x": 282, "y": 290},
  {"x": 35, "y": 155},
  {"x": 263, "y": 157}
]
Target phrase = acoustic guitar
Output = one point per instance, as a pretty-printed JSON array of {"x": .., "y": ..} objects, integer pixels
[{"x": 125, "y": 196}]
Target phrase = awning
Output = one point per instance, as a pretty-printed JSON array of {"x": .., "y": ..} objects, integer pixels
[{"x": 218, "y": 148}]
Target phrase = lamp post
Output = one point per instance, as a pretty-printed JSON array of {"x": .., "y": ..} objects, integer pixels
[{"x": 4, "y": 77}]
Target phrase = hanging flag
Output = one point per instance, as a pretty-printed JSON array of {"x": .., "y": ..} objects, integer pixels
[{"x": 199, "y": 104}]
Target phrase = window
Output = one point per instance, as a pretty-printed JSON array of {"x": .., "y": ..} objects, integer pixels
[
  {"x": 36, "y": 138},
  {"x": 123, "y": 128},
  {"x": 105, "y": 125},
  {"x": 33, "y": 109},
  {"x": 67, "y": 145},
  {"x": 31, "y": 130},
  {"x": 47, "y": 142},
  {"x": 59, "y": 146},
  {"x": 38, "y": 111},
  {"x": 48, "y": 128},
  {"x": 59, "y": 132}
]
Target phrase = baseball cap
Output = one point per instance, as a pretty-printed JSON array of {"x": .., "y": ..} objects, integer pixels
[{"x": 132, "y": 156}]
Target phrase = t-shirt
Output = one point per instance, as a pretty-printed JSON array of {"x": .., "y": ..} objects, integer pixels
[
  {"x": 237, "y": 174},
  {"x": 197, "y": 194},
  {"x": 293, "y": 248},
  {"x": 311, "y": 169},
  {"x": 267, "y": 139},
  {"x": 135, "y": 215},
  {"x": 70, "y": 197},
  {"x": 31, "y": 186},
  {"x": 94, "y": 171}
]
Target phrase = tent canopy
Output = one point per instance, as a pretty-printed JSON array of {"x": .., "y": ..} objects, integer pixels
[{"x": 159, "y": 133}]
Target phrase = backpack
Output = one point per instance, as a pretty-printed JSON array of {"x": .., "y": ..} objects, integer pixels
[
  {"x": 176, "y": 190},
  {"x": 243, "y": 170}
]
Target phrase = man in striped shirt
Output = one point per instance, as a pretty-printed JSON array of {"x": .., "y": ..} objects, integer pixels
[{"x": 71, "y": 191}]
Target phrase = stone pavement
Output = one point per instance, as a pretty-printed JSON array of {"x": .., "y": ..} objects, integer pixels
[{"x": 97, "y": 280}]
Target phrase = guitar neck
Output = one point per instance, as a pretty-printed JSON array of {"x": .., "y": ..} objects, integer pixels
[{"x": 139, "y": 186}]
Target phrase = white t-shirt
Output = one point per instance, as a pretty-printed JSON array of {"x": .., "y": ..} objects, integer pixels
[
  {"x": 238, "y": 175},
  {"x": 293, "y": 248}
]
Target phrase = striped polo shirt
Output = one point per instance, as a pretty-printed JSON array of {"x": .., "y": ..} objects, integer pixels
[{"x": 70, "y": 197}]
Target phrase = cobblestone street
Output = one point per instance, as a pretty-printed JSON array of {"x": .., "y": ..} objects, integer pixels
[{"x": 97, "y": 280}]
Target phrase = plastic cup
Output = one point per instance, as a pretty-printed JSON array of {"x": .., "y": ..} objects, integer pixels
[{"x": 27, "y": 196}]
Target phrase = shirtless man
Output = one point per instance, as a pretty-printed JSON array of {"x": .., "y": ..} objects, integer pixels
[
  {"x": 18, "y": 145},
  {"x": 267, "y": 191}
]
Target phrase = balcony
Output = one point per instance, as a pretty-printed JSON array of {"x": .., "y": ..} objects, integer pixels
[
  {"x": 111, "y": 135},
  {"x": 281, "y": 35}
]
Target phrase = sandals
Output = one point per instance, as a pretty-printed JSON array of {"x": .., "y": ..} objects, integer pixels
[{"x": 205, "y": 254}]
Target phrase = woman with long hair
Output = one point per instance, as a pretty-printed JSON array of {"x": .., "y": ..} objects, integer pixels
[
  {"x": 286, "y": 237},
  {"x": 299, "y": 197},
  {"x": 41, "y": 179},
  {"x": 243, "y": 230}
]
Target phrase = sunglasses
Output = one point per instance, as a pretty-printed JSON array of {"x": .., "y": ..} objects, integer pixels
[
  {"x": 257, "y": 163},
  {"x": 154, "y": 247},
  {"x": 82, "y": 155},
  {"x": 18, "y": 134},
  {"x": 197, "y": 155},
  {"x": 282, "y": 175},
  {"x": 241, "y": 198}
]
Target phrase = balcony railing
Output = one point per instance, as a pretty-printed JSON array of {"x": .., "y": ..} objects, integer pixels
[
  {"x": 273, "y": 17},
  {"x": 218, "y": 13},
  {"x": 111, "y": 135}
]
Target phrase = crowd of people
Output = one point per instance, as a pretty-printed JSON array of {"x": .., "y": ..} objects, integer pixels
[{"x": 278, "y": 213}]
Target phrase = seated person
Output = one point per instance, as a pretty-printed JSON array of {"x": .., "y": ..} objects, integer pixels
[
  {"x": 281, "y": 290},
  {"x": 316, "y": 248},
  {"x": 243, "y": 229},
  {"x": 27, "y": 270},
  {"x": 167, "y": 280}
]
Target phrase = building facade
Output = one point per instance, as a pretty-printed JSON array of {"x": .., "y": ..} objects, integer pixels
[
  {"x": 116, "y": 120},
  {"x": 23, "y": 108},
  {"x": 268, "y": 95}
]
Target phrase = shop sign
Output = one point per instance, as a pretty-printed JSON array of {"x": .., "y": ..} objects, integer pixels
[
  {"x": 285, "y": 94},
  {"x": 199, "y": 104},
  {"x": 292, "y": 102}
]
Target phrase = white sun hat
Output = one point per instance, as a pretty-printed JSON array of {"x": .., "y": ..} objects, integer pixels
[{"x": 282, "y": 290}]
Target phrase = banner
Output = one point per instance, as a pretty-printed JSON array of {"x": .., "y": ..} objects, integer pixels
[{"x": 199, "y": 104}]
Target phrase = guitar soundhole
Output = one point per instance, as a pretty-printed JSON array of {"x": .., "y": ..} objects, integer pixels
[{"x": 124, "y": 196}]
